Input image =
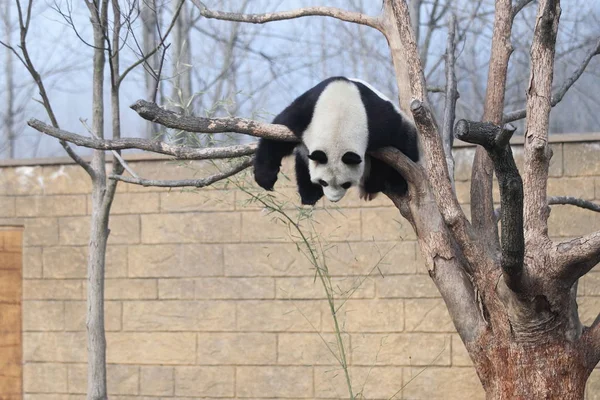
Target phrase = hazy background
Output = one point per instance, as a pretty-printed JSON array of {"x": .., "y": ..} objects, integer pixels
[{"x": 222, "y": 68}]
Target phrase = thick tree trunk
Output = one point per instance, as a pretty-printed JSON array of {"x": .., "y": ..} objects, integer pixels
[{"x": 540, "y": 370}]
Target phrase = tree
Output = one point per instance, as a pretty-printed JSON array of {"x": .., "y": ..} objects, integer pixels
[{"x": 512, "y": 300}]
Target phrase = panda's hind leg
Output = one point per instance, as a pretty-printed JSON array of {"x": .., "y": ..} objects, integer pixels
[{"x": 310, "y": 193}]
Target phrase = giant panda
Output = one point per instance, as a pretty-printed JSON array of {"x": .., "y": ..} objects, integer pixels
[{"x": 338, "y": 121}]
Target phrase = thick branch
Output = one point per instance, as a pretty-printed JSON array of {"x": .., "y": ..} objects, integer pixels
[
  {"x": 451, "y": 97},
  {"x": 564, "y": 88},
  {"x": 495, "y": 141},
  {"x": 170, "y": 119},
  {"x": 198, "y": 183},
  {"x": 577, "y": 257},
  {"x": 574, "y": 201},
  {"x": 537, "y": 151},
  {"x": 482, "y": 205},
  {"x": 337, "y": 13},
  {"x": 180, "y": 152}
]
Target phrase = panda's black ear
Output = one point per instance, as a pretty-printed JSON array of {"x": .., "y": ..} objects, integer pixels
[
  {"x": 351, "y": 158},
  {"x": 318, "y": 156}
]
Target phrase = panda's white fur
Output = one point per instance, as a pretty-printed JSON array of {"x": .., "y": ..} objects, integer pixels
[{"x": 340, "y": 113}]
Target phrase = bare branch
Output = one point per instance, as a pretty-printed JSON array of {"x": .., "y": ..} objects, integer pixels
[
  {"x": 518, "y": 6},
  {"x": 495, "y": 141},
  {"x": 482, "y": 205},
  {"x": 564, "y": 88},
  {"x": 451, "y": 97},
  {"x": 198, "y": 183},
  {"x": 156, "y": 146},
  {"x": 574, "y": 201},
  {"x": 537, "y": 151},
  {"x": 170, "y": 119},
  {"x": 576, "y": 257},
  {"x": 158, "y": 46},
  {"x": 337, "y": 13}
]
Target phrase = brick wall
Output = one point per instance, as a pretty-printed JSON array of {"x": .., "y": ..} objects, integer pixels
[{"x": 207, "y": 297}]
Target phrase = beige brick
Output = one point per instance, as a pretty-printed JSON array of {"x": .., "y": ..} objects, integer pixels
[
  {"x": 401, "y": 349},
  {"x": 581, "y": 159},
  {"x": 157, "y": 381},
  {"x": 312, "y": 288},
  {"x": 265, "y": 260},
  {"x": 178, "y": 316},
  {"x": 41, "y": 232},
  {"x": 32, "y": 262},
  {"x": 577, "y": 187},
  {"x": 442, "y": 383},
  {"x": 131, "y": 289},
  {"x": 572, "y": 221},
  {"x": 258, "y": 226},
  {"x": 370, "y": 382},
  {"x": 366, "y": 316},
  {"x": 275, "y": 382},
  {"x": 385, "y": 224},
  {"x": 25, "y": 180},
  {"x": 460, "y": 355},
  {"x": 235, "y": 288},
  {"x": 284, "y": 197},
  {"x": 53, "y": 289},
  {"x": 120, "y": 379},
  {"x": 54, "y": 346},
  {"x": 353, "y": 200},
  {"x": 593, "y": 386},
  {"x": 43, "y": 396},
  {"x": 198, "y": 200},
  {"x": 427, "y": 315},
  {"x": 75, "y": 315},
  {"x": 463, "y": 191},
  {"x": 176, "y": 289},
  {"x": 592, "y": 284},
  {"x": 43, "y": 316},
  {"x": 45, "y": 378},
  {"x": 51, "y": 206},
  {"x": 76, "y": 230},
  {"x": 371, "y": 258},
  {"x": 190, "y": 228},
  {"x": 310, "y": 349},
  {"x": 66, "y": 179},
  {"x": 172, "y": 261},
  {"x": 463, "y": 162},
  {"x": 151, "y": 348},
  {"x": 7, "y": 206},
  {"x": 406, "y": 286},
  {"x": 278, "y": 316},
  {"x": 237, "y": 348},
  {"x": 135, "y": 203},
  {"x": 589, "y": 307},
  {"x": 204, "y": 381},
  {"x": 71, "y": 262},
  {"x": 65, "y": 262}
]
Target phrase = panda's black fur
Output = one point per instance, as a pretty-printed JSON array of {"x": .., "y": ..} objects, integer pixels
[{"x": 387, "y": 126}]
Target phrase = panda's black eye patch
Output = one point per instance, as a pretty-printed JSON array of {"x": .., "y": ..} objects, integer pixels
[
  {"x": 347, "y": 185},
  {"x": 318, "y": 156},
  {"x": 351, "y": 158},
  {"x": 323, "y": 183}
]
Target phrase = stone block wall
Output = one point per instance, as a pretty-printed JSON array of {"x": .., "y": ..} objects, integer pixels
[{"x": 208, "y": 297}]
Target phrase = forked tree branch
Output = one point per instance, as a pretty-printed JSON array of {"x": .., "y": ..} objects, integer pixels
[
  {"x": 537, "y": 151},
  {"x": 337, "y": 13},
  {"x": 495, "y": 140},
  {"x": 197, "y": 183},
  {"x": 564, "y": 88},
  {"x": 152, "y": 112},
  {"x": 156, "y": 146},
  {"x": 577, "y": 257}
]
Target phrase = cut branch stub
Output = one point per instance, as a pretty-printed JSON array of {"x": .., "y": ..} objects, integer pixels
[{"x": 495, "y": 140}]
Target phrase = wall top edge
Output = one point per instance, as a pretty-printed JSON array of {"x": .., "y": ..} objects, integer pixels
[{"x": 516, "y": 140}]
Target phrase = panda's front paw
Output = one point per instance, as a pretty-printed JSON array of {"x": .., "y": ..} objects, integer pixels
[{"x": 265, "y": 177}]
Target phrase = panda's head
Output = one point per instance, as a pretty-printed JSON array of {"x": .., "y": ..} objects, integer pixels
[{"x": 336, "y": 174}]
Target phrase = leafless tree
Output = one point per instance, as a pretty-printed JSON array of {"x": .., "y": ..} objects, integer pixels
[{"x": 512, "y": 299}]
